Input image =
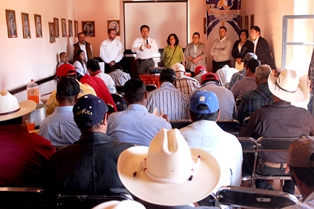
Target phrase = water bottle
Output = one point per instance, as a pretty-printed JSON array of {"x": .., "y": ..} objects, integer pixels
[{"x": 33, "y": 91}]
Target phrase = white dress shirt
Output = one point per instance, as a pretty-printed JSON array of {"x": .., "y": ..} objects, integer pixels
[
  {"x": 111, "y": 51},
  {"x": 83, "y": 47},
  {"x": 147, "y": 53}
]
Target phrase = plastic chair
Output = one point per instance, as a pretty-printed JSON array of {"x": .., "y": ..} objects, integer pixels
[
  {"x": 232, "y": 126},
  {"x": 22, "y": 197},
  {"x": 180, "y": 123},
  {"x": 85, "y": 201},
  {"x": 254, "y": 198}
]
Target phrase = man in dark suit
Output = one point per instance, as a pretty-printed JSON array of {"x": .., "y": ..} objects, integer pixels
[{"x": 261, "y": 47}]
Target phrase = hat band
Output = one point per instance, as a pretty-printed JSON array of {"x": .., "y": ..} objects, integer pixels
[
  {"x": 277, "y": 84},
  {"x": 6, "y": 113}
]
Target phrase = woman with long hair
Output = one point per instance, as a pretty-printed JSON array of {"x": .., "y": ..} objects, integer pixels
[
  {"x": 172, "y": 53},
  {"x": 80, "y": 63}
]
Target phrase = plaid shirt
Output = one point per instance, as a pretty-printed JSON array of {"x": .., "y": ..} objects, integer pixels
[
  {"x": 186, "y": 84},
  {"x": 237, "y": 77},
  {"x": 254, "y": 100}
]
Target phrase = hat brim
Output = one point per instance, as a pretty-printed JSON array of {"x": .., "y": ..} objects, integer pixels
[
  {"x": 298, "y": 96},
  {"x": 203, "y": 183},
  {"x": 25, "y": 108}
]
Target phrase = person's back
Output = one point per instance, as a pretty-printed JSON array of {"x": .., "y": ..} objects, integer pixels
[
  {"x": 59, "y": 127},
  {"x": 167, "y": 99},
  {"x": 210, "y": 82},
  {"x": 119, "y": 77},
  {"x": 24, "y": 156},
  {"x": 205, "y": 134},
  {"x": 135, "y": 125},
  {"x": 88, "y": 166}
]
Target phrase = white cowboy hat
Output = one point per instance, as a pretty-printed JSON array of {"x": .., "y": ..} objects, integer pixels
[
  {"x": 288, "y": 86},
  {"x": 168, "y": 172},
  {"x": 115, "y": 204},
  {"x": 177, "y": 67},
  {"x": 10, "y": 108}
]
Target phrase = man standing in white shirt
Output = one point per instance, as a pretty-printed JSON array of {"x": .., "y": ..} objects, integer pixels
[
  {"x": 111, "y": 50},
  {"x": 221, "y": 50},
  {"x": 144, "y": 47}
]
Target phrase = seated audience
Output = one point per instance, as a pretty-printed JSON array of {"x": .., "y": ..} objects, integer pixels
[
  {"x": 168, "y": 174},
  {"x": 183, "y": 83},
  {"x": 199, "y": 72},
  {"x": 94, "y": 70},
  {"x": 59, "y": 127},
  {"x": 241, "y": 74},
  {"x": 119, "y": 77},
  {"x": 256, "y": 99},
  {"x": 205, "y": 134},
  {"x": 24, "y": 156},
  {"x": 225, "y": 74},
  {"x": 301, "y": 166},
  {"x": 248, "y": 83},
  {"x": 167, "y": 99},
  {"x": 88, "y": 166},
  {"x": 135, "y": 125},
  {"x": 80, "y": 63},
  {"x": 66, "y": 70},
  {"x": 63, "y": 59},
  {"x": 280, "y": 119},
  {"x": 210, "y": 82}
]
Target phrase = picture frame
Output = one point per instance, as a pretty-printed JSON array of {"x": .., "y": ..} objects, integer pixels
[
  {"x": 114, "y": 24},
  {"x": 51, "y": 27},
  {"x": 56, "y": 24},
  {"x": 70, "y": 23},
  {"x": 75, "y": 27},
  {"x": 88, "y": 28},
  {"x": 246, "y": 22},
  {"x": 64, "y": 27},
  {"x": 11, "y": 23},
  {"x": 252, "y": 21},
  {"x": 25, "y": 25},
  {"x": 38, "y": 26}
]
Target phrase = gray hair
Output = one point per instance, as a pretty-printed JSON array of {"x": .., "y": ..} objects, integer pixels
[{"x": 262, "y": 71}]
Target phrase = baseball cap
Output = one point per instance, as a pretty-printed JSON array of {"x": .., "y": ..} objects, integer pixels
[
  {"x": 248, "y": 56},
  {"x": 209, "y": 77},
  {"x": 66, "y": 70},
  {"x": 199, "y": 69},
  {"x": 301, "y": 153},
  {"x": 68, "y": 87},
  {"x": 88, "y": 111},
  {"x": 207, "y": 98}
]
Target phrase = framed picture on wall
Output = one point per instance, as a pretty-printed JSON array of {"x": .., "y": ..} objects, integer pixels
[
  {"x": 64, "y": 27},
  {"x": 115, "y": 24},
  {"x": 25, "y": 25},
  {"x": 38, "y": 26},
  {"x": 252, "y": 21},
  {"x": 75, "y": 27},
  {"x": 56, "y": 23},
  {"x": 70, "y": 28},
  {"x": 11, "y": 23},
  {"x": 89, "y": 28},
  {"x": 51, "y": 32}
]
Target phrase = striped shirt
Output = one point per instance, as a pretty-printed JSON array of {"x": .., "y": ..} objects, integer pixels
[
  {"x": 186, "y": 84},
  {"x": 169, "y": 100}
]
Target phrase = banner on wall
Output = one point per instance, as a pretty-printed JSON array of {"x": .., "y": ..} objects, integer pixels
[{"x": 221, "y": 11}]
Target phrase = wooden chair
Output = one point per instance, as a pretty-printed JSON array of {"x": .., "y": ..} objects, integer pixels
[
  {"x": 232, "y": 126},
  {"x": 180, "y": 123},
  {"x": 254, "y": 198}
]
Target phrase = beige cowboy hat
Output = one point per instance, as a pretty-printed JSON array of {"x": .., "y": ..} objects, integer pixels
[
  {"x": 115, "y": 204},
  {"x": 288, "y": 86},
  {"x": 10, "y": 108},
  {"x": 168, "y": 172}
]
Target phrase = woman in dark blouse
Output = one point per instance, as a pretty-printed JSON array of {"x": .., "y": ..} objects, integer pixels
[{"x": 241, "y": 47}]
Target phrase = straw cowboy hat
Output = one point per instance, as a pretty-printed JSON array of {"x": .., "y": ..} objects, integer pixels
[
  {"x": 115, "y": 204},
  {"x": 10, "y": 108},
  {"x": 168, "y": 172},
  {"x": 288, "y": 86}
]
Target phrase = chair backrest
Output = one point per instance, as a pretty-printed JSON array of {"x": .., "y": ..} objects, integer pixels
[
  {"x": 254, "y": 198},
  {"x": 22, "y": 197},
  {"x": 232, "y": 126},
  {"x": 120, "y": 89},
  {"x": 180, "y": 123},
  {"x": 118, "y": 99},
  {"x": 274, "y": 144},
  {"x": 150, "y": 87},
  {"x": 248, "y": 144},
  {"x": 85, "y": 201}
]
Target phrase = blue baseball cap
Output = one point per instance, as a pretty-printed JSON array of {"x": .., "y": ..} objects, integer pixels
[
  {"x": 88, "y": 111},
  {"x": 207, "y": 98}
]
